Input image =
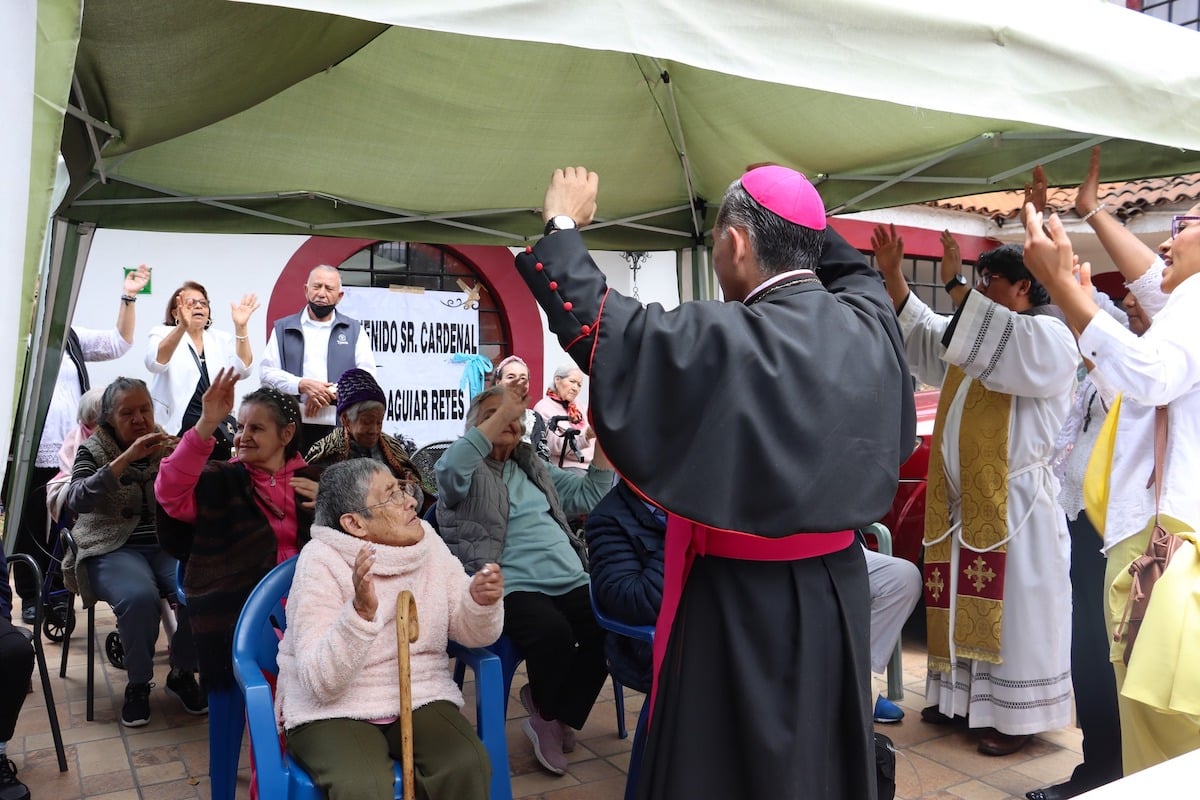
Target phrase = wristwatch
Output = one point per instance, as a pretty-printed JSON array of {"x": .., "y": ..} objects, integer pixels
[
  {"x": 560, "y": 222},
  {"x": 955, "y": 282}
]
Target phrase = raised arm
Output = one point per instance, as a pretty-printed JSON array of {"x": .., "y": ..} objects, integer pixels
[
  {"x": 1130, "y": 255},
  {"x": 240, "y": 313},
  {"x": 126, "y": 317},
  {"x": 889, "y": 255}
]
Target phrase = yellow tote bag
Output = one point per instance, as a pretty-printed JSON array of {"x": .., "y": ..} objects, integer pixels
[{"x": 1099, "y": 468}]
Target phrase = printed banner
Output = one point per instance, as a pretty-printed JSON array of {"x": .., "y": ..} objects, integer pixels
[{"x": 414, "y": 335}]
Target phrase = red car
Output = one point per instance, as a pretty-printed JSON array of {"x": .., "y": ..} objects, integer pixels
[{"x": 906, "y": 519}]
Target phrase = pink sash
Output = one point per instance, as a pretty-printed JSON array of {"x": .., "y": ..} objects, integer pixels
[{"x": 686, "y": 540}]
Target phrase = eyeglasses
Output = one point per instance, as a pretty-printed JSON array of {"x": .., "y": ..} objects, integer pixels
[
  {"x": 194, "y": 303},
  {"x": 397, "y": 496},
  {"x": 1181, "y": 223},
  {"x": 985, "y": 279}
]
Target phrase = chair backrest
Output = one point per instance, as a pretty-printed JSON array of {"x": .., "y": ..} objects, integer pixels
[
  {"x": 256, "y": 638},
  {"x": 255, "y": 651},
  {"x": 642, "y": 633},
  {"x": 424, "y": 460}
]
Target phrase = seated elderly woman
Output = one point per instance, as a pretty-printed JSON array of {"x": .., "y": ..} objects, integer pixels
[
  {"x": 499, "y": 502},
  {"x": 514, "y": 373},
  {"x": 568, "y": 435},
  {"x": 338, "y": 697},
  {"x": 233, "y": 521},
  {"x": 89, "y": 418},
  {"x": 119, "y": 559},
  {"x": 360, "y": 408}
]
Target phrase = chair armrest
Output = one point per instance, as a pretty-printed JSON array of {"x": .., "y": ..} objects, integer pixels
[
  {"x": 264, "y": 734},
  {"x": 489, "y": 711},
  {"x": 642, "y": 633}
]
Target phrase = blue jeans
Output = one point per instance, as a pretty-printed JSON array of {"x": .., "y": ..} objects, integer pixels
[{"x": 133, "y": 579}]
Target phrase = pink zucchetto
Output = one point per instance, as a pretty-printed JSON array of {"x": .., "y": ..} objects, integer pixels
[{"x": 788, "y": 193}]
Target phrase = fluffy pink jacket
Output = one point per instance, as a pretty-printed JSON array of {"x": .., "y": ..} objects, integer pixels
[{"x": 334, "y": 664}]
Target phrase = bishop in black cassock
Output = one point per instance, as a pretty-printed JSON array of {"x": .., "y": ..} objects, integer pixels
[{"x": 768, "y": 427}]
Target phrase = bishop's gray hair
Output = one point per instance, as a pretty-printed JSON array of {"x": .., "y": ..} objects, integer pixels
[{"x": 779, "y": 245}]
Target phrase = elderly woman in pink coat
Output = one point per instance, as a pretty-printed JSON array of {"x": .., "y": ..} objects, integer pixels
[{"x": 338, "y": 698}]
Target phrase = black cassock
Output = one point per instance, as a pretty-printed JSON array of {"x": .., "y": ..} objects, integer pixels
[{"x": 791, "y": 414}]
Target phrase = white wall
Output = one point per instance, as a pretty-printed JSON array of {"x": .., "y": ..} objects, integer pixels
[
  {"x": 229, "y": 266},
  {"x": 656, "y": 284}
]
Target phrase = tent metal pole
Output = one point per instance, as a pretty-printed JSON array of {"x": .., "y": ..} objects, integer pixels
[
  {"x": 90, "y": 126},
  {"x": 1049, "y": 158},
  {"x": 930, "y": 162},
  {"x": 681, "y": 146},
  {"x": 68, "y": 244}
]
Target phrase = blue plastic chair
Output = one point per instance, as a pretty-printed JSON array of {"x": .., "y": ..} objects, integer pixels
[
  {"x": 511, "y": 658},
  {"x": 226, "y": 721},
  {"x": 642, "y": 633},
  {"x": 255, "y": 650}
]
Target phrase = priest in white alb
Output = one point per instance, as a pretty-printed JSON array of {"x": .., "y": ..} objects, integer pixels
[{"x": 997, "y": 552}]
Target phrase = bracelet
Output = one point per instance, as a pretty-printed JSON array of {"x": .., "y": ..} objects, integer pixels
[
  {"x": 127, "y": 299},
  {"x": 1092, "y": 213},
  {"x": 242, "y": 338}
]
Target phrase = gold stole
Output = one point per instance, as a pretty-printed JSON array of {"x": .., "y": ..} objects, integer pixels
[{"x": 983, "y": 474}]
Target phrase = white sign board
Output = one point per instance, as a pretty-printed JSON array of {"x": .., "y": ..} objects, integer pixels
[{"x": 415, "y": 335}]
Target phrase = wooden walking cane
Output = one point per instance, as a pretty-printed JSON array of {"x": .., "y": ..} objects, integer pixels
[{"x": 406, "y": 632}]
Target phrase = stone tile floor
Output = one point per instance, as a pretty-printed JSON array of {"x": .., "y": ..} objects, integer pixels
[{"x": 168, "y": 759}]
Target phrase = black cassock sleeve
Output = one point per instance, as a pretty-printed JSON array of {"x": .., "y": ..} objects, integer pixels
[{"x": 792, "y": 414}]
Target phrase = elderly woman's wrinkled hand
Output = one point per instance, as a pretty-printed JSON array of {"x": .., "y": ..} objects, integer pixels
[
  {"x": 365, "y": 601},
  {"x": 306, "y": 488},
  {"x": 487, "y": 585},
  {"x": 240, "y": 312},
  {"x": 512, "y": 405},
  {"x": 146, "y": 445}
]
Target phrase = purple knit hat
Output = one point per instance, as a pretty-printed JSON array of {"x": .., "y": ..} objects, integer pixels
[{"x": 358, "y": 386}]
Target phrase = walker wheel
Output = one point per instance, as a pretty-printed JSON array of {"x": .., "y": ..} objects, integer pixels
[
  {"x": 59, "y": 622},
  {"x": 115, "y": 650}
]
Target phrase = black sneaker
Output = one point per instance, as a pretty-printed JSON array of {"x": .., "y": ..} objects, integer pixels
[
  {"x": 181, "y": 685},
  {"x": 29, "y": 614},
  {"x": 136, "y": 712},
  {"x": 10, "y": 787}
]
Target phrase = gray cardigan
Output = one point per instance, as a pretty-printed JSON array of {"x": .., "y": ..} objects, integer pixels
[
  {"x": 474, "y": 525},
  {"x": 108, "y": 508}
]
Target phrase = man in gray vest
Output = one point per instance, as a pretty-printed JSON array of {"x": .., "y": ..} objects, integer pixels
[{"x": 309, "y": 351}]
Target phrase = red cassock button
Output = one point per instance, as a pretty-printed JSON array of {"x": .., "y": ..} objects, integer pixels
[
  {"x": 554, "y": 286},
  {"x": 538, "y": 266},
  {"x": 585, "y": 329},
  {"x": 528, "y": 249},
  {"x": 567, "y": 306}
]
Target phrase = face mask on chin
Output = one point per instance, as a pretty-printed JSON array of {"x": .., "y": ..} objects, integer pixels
[{"x": 321, "y": 311}]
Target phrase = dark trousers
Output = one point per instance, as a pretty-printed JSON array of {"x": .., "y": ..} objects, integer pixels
[
  {"x": 1092, "y": 675},
  {"x": 16, "y": 668},
  {"x": 134, "y": 579},
  {"x": 352, "y": 759},
  {"x": 31, "y": 536},
  {"x": 563, "y": 648}
]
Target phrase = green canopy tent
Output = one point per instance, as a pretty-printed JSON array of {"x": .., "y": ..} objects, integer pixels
[{"x": 441, "y": 121}]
